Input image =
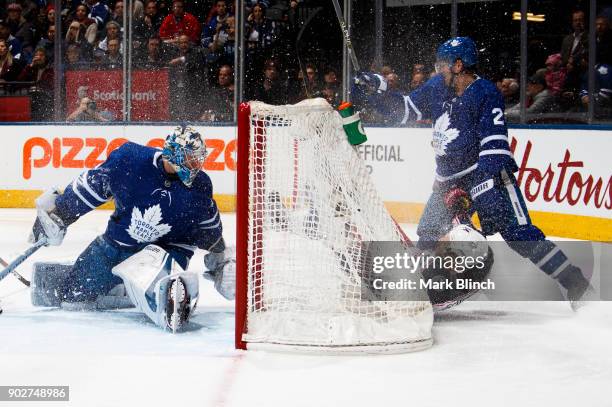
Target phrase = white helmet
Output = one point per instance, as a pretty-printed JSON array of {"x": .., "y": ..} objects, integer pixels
[{"x": 467, "y": 241}]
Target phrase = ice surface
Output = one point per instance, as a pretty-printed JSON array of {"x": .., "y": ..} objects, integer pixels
[{"x": 485, "y": 354}]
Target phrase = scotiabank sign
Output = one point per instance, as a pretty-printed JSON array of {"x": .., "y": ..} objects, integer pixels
[{"x": 149, "y": 92}]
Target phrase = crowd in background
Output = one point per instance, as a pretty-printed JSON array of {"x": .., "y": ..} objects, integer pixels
[{"x": 196, "y": 40}]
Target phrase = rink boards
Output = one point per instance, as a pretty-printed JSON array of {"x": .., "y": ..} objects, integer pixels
[{"x": 565, "y": 174}]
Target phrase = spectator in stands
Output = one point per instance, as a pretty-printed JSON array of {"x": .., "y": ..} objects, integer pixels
[
  {"x": 272, "y": 89},
  {"x": 40, "y": 25},
  {"x": 50, "y": 14},
  {"x": 20, "y": 27},
  {"x": 260, "y": 31},
  {"x": 13, "y": 43},
  {"x": 575, "y": 43},
  {"x": 99, "y": 12},
  {"x": 603, "y": 36},
  {"x": 215, "y": 24},
  {"x": 73, "y": 58},
  {"x": 91, "y": 28},
  {"x": 224, "y": 43},
  {"x": 386, "y": 70},
  {"x": 187, "y": 80},
  {"x": 113, "y": 56},
  {"x": 574, "y": 49},
  {"x": 393, "y": 81},
  {"x": 39, "y": 71},
  {"x": 603, "y": 92},
  {"x": 418, "y": 79},
  {"x": 220, "y": 99},
  {"x": 509, "y": 89},
  {"x": 148, "y": 25},
  {"x": 576, "y": 71},
  {"x": 330, "y": 79},
  {"x": 179, "y": 23},
  {"x": 86, "y": 112},
  {"x": 76, "y": 35},
  {"x": 48, "y": 42},
  {"x": 113, "y": 32},
  {"x": 10, "y": 67},
  {"x": 117, "y": 13},
  {"x": 310, "y": 81},
  {"x": 555, "y": 74},
  {"x": 155, "y": 54},
  {"x": 331, "y": 95},
  {"x": 539, "y": 99}
]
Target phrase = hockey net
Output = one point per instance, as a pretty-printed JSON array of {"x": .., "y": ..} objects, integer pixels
[{"x": 305, "y": 205}]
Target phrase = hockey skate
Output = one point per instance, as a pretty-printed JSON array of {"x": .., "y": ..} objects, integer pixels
[
  {"x": 177, "y": 305},
  {"x": 579, "y": 289}
]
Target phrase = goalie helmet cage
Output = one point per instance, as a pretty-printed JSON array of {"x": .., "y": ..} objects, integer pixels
[{"x": 305, "y": 202}]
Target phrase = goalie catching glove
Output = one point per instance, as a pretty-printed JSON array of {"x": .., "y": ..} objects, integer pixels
[{"x": 48, "y": 225}]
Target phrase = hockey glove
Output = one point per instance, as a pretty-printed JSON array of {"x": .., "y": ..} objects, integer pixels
[
  {"x": 222, "y": 272},
  {"x": 370, "y": 83},
  {"x": 48, "y": 224}
]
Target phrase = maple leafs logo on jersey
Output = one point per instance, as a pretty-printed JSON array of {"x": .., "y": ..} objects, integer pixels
[
  {"x": 443, "y": 134},
  {"x": 145, "y": 228}
]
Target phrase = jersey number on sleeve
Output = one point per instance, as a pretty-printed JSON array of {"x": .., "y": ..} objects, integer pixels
[{"x": 498, "y": 120}]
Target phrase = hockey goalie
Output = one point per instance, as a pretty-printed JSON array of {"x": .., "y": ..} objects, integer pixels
[{"x": 164, "y": 211}]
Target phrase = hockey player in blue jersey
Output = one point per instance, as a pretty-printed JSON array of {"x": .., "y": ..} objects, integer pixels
[
  {"x": 164, "y": 210},
  {"x": 473, "y": 156}
]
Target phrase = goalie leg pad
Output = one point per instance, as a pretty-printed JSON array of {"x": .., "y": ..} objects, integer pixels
[
  {"x": 48, "y": 282},
  {"x": 151, "y": 278}
]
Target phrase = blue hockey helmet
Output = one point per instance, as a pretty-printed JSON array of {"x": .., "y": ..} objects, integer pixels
[
  {"x": 462, "y": 48},
  {"x": 185, "y": 151}
]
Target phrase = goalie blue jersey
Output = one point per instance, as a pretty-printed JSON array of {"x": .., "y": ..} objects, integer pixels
[
  {"x": 151, "y": 206},
  {"x": 469, "y": 131}
]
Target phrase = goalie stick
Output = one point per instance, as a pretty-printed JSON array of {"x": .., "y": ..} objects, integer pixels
[
  {"x": 15, "y": 273},
  {"x": 13, "y": 265}
]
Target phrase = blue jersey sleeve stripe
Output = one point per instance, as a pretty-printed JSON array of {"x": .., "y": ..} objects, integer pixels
[
  {"x": 211, "y": 219},
  {"x": 408, "y": 106},
  {"x": 215, "y": 226},
  {"x": 75, "y": 189},
  {"x": 485, "y": 140},
  {"x": 496, "y": 152},
  {"x": 85, "y": 184}
]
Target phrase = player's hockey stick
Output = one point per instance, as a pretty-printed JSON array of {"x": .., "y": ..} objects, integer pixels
[
  {"x": 15, "y": 273},
  {"x": 347, "y": 37},
  {"x": 9, "y": 269}
]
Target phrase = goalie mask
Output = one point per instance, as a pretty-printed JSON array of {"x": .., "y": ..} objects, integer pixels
[{"x": 185, "y": 151}]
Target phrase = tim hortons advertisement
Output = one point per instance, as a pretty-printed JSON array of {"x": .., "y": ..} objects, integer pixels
[
  {"x": 149, "y": 92},
  {"x": 565, "y": 171}
]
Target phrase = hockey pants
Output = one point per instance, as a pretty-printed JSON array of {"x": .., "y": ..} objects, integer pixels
[{"x": 501, "y": 208}]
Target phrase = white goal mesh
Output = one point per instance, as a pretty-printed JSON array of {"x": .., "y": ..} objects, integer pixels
[{"x": 311, "y": 204}]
